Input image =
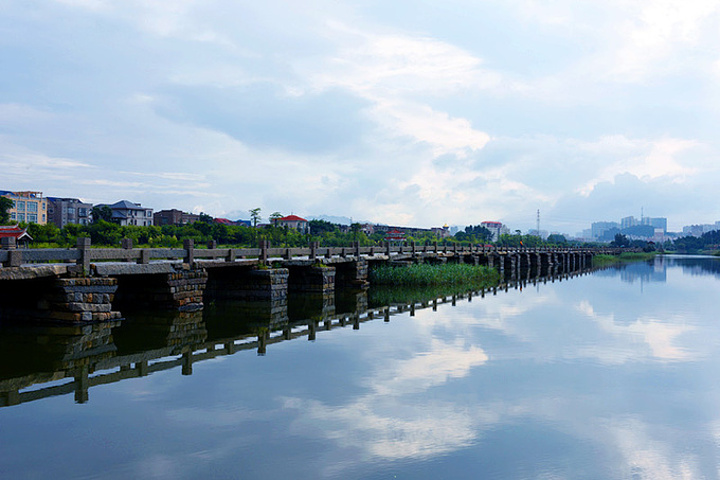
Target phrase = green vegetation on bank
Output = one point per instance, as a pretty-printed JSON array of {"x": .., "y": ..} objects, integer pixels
[
  {"x": 708, "y": 242},
  {"x": 605, "y": 260},
  {"x": 428, "y": 275},
  {"x": 108, "y": 234}
]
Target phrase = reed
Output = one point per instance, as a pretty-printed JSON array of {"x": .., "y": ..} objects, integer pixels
[{"x": 427, "y": 275}]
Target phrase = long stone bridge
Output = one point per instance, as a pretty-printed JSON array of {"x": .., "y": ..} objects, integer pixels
[{"x": 84, "y": 284}]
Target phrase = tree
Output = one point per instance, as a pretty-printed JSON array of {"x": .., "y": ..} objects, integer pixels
[
  {"x": 556, "y": 239},
  {"x": 102, "y": 213},
  {"x": 474, "y": 234},
  {"x": 5, "y": 205},
  {"x": 255, "y": 216},
  {"x": 318, "y": 227},
  {"x": 355, "y": 228},
  {"x": 620, "y": 241},
  {"x": 274, "y": 217}
]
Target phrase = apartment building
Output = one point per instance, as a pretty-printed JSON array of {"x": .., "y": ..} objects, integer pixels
[
  {"x": 65, "y": 211},
  {"x": 30, "y": 207}
]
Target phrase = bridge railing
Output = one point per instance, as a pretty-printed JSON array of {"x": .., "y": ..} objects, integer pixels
[{"x": 84, "y": 255}]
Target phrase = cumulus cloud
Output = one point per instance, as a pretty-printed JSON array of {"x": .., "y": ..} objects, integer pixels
[
  {"x": 660, "y": 335},
  {"x": 458, "y": 114}
]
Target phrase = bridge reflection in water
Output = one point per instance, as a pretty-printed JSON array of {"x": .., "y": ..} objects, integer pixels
[{"x": 38, "y": 362}]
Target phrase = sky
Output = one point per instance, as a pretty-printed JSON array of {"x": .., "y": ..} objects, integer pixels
[{"x": 410, "y": 112}]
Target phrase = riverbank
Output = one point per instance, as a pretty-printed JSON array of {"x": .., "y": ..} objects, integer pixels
[{"x": 627, "y": 257}]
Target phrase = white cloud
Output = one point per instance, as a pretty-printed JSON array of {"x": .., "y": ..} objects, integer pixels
[
  {"x": 456, "y": 118},
  {"x": 645, "y": 159},
  {"x": 660, "y": 335}
]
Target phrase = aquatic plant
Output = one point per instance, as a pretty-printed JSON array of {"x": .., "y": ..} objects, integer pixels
[{"x": 426, "y": 275}]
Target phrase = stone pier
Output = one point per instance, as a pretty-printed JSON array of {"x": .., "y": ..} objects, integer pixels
[
  {"x": 312, "y": 279},
  {"x": 269, "y": 284},
  {"x": 181, "y": 290},
  {"x": 79, "y": 300},
  {"x": 353, "y": 274}
]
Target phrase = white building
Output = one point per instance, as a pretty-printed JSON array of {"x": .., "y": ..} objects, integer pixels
[{"x": 128, "y": 213}]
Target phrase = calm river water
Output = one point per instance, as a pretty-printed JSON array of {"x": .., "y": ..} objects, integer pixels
[{"x": 611, "y": 375}]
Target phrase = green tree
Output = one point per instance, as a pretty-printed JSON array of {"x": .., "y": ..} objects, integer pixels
[
  {"x": 556, "y": 239},
  {"x": 356, "y": 228},
  {"x": 255, "y": 216},
  {"x": 5, "y": 205},
  {"x": 102, "y": 213},
  {"x": 318, "y": 227},
  {"x": 274, "y": 217},
  {"x": 620, "y": 241}
]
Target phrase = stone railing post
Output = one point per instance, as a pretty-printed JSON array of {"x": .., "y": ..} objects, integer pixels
[
  {"x": 126, "y": 244},
  {"x": 357, "y": 250},
  {"x": 144, "y": 256},
  {"x": 212, "y": 244},
  {"x": 387, "y": 248},
  {"x": 264, "y": 251},
  {"x": 189, "y": 246},
  {"x": 313, "y": 250},
  {"x": 412, "y": 248},
  {"x": 435, "y": 246},
  {"x": 14, "y": 255},
  {"x": 83, "y": 246}
]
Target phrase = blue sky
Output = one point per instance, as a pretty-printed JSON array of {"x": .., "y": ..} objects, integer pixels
[{"x": 406, "y": 112}]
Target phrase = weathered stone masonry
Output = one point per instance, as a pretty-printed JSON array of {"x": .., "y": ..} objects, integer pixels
[{"x": 78, "y": 300}]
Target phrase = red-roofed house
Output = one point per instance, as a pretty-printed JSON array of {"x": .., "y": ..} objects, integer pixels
[
  {"x": 19, "y": 234},
  {"x": 294, "y": 222},
  {"x": 224, "y": 221}
]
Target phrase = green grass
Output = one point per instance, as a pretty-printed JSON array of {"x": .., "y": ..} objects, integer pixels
[
  {"x": 604, "y": 260},
  {"x": 431, "y": 275}
]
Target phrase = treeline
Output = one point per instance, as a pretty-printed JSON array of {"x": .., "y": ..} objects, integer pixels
[
  {"x": 108, "y": 234},
  {"x": 690, "y": 244}
]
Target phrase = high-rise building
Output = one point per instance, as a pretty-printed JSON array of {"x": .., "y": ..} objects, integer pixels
[
  {"x": 628, "y": 222},
  {"x": 598, "y": 229},
  {"x": 496, "y": 228}
]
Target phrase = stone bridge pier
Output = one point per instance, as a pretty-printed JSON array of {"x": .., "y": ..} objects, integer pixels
[
  {"x": 180, "y": 290},
  {"x": 59, "y": 300}
]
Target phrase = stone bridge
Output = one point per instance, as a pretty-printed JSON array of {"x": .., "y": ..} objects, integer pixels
[{"x": 85, "y": 284}]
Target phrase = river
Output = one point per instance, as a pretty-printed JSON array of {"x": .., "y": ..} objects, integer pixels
[{"x": 609, "y": 375}]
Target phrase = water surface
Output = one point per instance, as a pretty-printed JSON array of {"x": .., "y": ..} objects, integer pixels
[{"x": 603, "y": 376}]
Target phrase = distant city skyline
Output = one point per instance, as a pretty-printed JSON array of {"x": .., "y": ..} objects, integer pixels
[{"x": 404, "y": 112}]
